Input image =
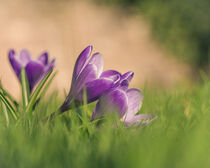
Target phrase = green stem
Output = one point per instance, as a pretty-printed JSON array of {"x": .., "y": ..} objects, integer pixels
[{"x": 25, "y": 87}]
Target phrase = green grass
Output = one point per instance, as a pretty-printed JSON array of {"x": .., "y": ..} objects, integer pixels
[{"x": 180, "y": 137}]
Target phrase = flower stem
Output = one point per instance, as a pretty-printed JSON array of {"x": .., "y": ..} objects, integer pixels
[{"x": 67, "y": 105}]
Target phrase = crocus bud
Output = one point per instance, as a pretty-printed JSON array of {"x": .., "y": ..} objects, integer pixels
[{"x": 35, "y": 69}]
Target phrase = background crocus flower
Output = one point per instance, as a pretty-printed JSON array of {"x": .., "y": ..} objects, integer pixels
[
  {"x": 89, "y": 78},
  {"x": 35, "y": 69},
  {"x": 126, "y": 102}
]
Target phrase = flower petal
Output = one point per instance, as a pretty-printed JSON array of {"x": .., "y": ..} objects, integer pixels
[
  {"x": 143, "y": 119},
  {"x": 34, "y": 72},
  {"x": 109, "y": 73},
  {"x": 24, "y": 57},
  {"x": 134, "y": 103},
  {"x": 43, "y": 58},
  {"x": 98, "y": 61},
  {"x": 88, "y": 74},
  {"x": 124, "y": 84},
  {"x": 14, "y": 62},
  {"x": 114, "y": 101},
  {"x": 127, "y": 76},
  {"x": 94, "y": 89},
  {"x": 112, "y": 74},
  {"x": 81, "y": 61}
]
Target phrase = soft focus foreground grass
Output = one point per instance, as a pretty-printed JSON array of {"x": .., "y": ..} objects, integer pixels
[{"x": 180, "y": 137}]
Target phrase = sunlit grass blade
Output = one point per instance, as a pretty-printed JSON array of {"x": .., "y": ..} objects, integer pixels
[
  {"x": 47, "y": 85},
  {"x": 4, "y": 109},
  {"x": 25, "y": 88},
  {"x": 8, "y": 105},
  {"x": 44, "y": 90},
  {"x": 37, "y": 91},
  {"x": 8, "y": 95}
]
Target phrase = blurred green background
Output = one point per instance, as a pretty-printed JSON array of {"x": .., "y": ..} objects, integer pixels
[
  {"x": 124, "y": 33},
  {"x": 182, "y": 26}
]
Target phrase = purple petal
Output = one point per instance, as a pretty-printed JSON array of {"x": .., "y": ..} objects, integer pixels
[
  {"x": 24, "y": 57},
  {"x": 88, "y": 74},
  {"x": 97, "y": 60},
  {"x": 143, "y": 119},
  {"x": 114, "y": 101},
  {"x": 127, "y": 76},
  {"x": 81, "y": 61},
  {"x": 109, "y": 73},
  {"x": 34, "y": 72},
  {"x": 124, "y": 84},
  {"x": 50, "y": 66},
  {"x": 14, "y": 62},
  {"x": 43, "y": 58},
  {"x": 94, "y": 89},
  {"x": 134, "y": 103}
]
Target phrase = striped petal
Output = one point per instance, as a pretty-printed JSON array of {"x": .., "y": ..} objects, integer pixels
[
  {"x": 115, "y": 75},
  {"x": 94, "y": 89},
  {"x": 113, "y": 101},
  {"x": 81, "y": 62},
  {"x": 143, "y": 119},
  {"x": 88, "y": 74},
  {"x": 135, "y": 98},
  {"x": 97, "y": 60},
  {"x": 127, "y": 76}
]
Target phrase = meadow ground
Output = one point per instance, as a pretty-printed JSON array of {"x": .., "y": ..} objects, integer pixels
[{"x": 179, "y": 137}]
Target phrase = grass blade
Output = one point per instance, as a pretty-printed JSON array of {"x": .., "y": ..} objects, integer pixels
[
  {"x": 44, "y": 90},
  {"x": 25, "y": 87},
  {"x": 4, "y": 108},
  {"x": 8, "y": 95},
  {"x": 48, "y": 83},
  {"x": 36, "y": 93},
  {"x": 8, "y": 105}
]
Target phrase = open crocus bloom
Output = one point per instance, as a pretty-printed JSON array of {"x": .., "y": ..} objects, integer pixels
[
  {"x": 35, "y": 69},
  {"x": 88, "y": 78},
  {"x": 126, "y": 102}
]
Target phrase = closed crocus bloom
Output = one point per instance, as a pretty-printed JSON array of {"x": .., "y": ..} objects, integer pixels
[
  {"x": 126, "y": 102},
  {"x": 88, "y": 78},
  {"x": 35, "y": 69}
]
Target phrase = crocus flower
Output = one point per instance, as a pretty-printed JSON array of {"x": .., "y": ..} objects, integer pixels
[
  {"x": 89, "y": 78},
  {"x": 126, "y": 102},
  {"x": 35, "y": 69}
]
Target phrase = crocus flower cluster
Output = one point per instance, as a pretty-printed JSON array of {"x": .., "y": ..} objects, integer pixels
[
  {"x": 35, "y": 69},
  {"x": 89, "y": 82},
  {"x": 110, "y": 88}
]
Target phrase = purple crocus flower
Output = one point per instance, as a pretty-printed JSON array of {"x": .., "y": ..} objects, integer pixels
[
  {"x": 126, "y": 102},
  {"x": 89, "y": 78},
  {"x": 35, "y": 69}
]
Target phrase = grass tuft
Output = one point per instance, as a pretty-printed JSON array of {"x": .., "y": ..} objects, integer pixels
[{"x": 180, "y": 137}]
